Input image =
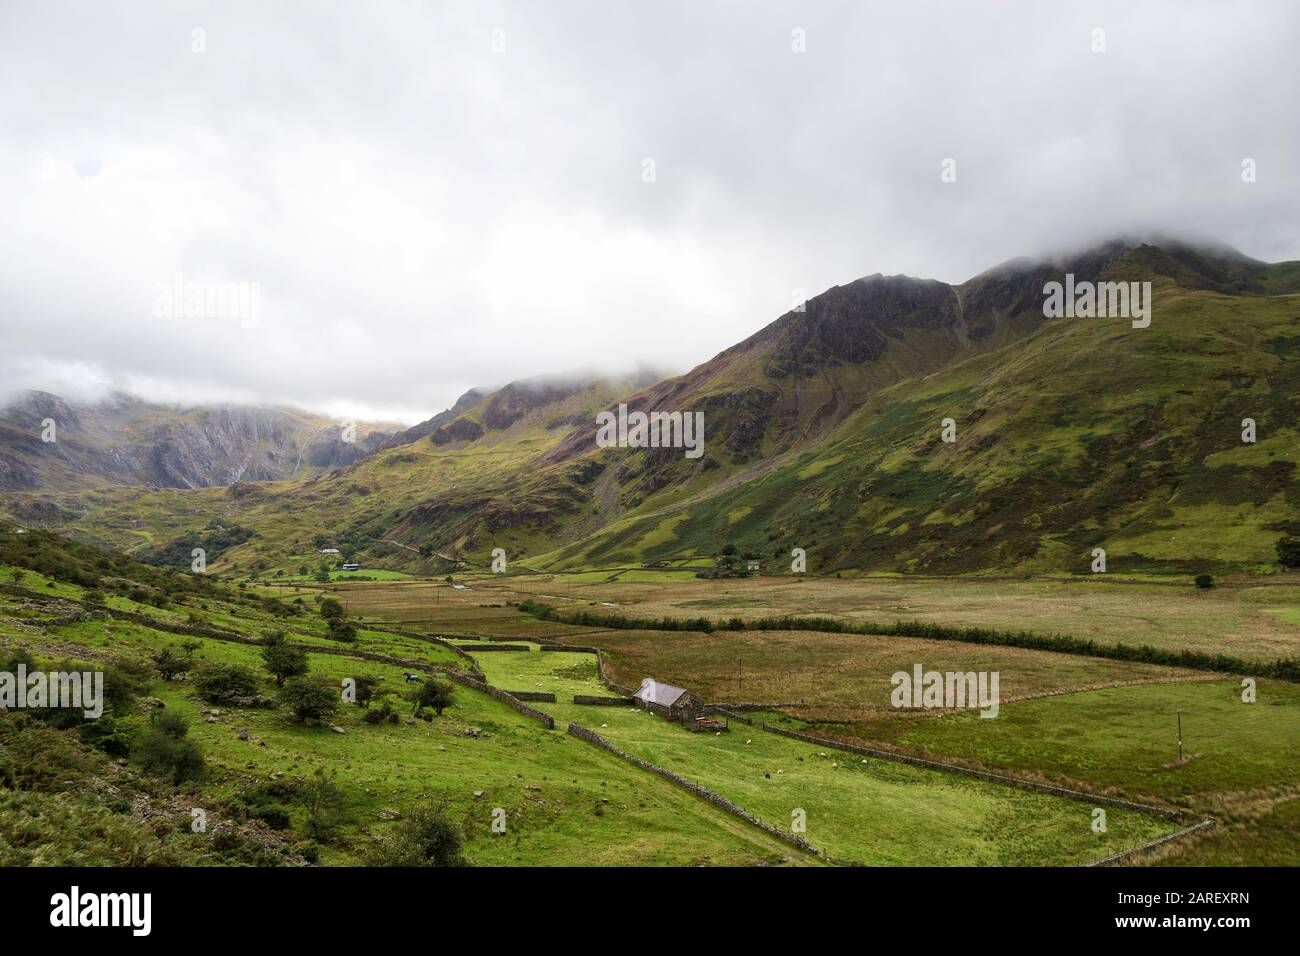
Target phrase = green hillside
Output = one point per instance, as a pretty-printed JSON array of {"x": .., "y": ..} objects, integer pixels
[{"x": 823, "y": 432}]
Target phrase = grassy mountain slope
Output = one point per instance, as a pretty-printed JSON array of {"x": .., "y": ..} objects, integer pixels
[
  {"x": 823, "y": 432},
  {"x": 1088, "y": 433}
]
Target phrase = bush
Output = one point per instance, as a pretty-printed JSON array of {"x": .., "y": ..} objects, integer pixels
[
  {"x": 309, "y": 699},
  {"x": 425, "y": 837},
  {"x": 260, "y": 807},
  {"x": 385, "y": 712},
  {"x": 66, "y": 829},
  {"x": 171, "y": 663},
  {"x": 163, "y": 750},
  {"x": 365, "y": 688},
  {"x": 123, "y": 682},
  {"x": 341, "y": 630},
  {"x": 434, "y": 693},
  {"x": 1205, "y": 581},
  {"x": 39, "y": 758},
  {"x": 331, "y": 609},
  {"x": 225, "y": 683},
  {"x": 1288, "y": 552}
]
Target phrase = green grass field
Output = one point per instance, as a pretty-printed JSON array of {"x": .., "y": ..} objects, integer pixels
[
  {"x": 561, "y": 673},
  {"x": 566, "y": 801},
  {"x": 857, "y": 810},
  {"x": 1126, "y": 738}
]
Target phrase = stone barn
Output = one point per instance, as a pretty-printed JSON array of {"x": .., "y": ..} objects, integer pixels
[{"x": 675, "y": 703}]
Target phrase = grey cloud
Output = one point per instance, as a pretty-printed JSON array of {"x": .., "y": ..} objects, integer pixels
[{"x": 422, "y": 213}]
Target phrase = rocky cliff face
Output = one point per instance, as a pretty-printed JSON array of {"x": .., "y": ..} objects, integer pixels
[{"x": 126, "y": 441}]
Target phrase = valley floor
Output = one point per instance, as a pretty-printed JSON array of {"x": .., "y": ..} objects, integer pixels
[{"x": 1101, "y": 726}]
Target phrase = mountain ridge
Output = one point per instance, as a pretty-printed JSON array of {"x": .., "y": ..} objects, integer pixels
[{"x": 823, "y": 430}]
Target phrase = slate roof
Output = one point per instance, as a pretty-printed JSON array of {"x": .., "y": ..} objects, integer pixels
[{"x": 657, "y": 692}]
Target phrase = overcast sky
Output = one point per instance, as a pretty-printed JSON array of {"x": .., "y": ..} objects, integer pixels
[{"x": 430, "y": 196}]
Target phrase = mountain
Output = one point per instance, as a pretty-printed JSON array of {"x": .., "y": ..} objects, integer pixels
[
  {"x": 823, "y": 431},
  {"x": 125, "y": 441}
]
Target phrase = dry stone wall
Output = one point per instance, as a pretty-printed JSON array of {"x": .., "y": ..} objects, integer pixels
[{"x": 717, "y": 799}]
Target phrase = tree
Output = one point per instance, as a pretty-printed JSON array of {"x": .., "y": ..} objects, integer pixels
[
  {"x": 326, "y": 805},
  {"x": 1205, "y": 581},
  {"x": 163, "y": 749},
  {"x": 436, "y": 694},
  {"x": 1288, "y": 552},
  {"x": 426, "y": 837},
  {"x": 331, "y": 609},
  {"x": 426, "y": 550},
  {"x": 282, "y": 659},
  {"x": 309, "y": 699},
  {"x": 322, "y": 573}
]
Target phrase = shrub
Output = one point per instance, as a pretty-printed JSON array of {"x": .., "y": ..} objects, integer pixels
[
  {"x": 39, "y": 758},
  {"x": 163, "y": 750},
  {"x": 225, "y": 683},
  {"x": 424, "y": 837},
  {"x": 1205, "y": 581},
  {"x": 308, "y": 699},
  {"x": 341, "y": 630},
  {"x": 171, "y": 663},
  {"x": 365, "y": 688},
  {"x": 385, "y": 712},
  {"x": 123, "y": 682},
  {"x": 434, "y": 693},
  {"x": 331, "y": 609},
  {"x": 66, "y": 829},
  {"x": 261, "y": 807}
]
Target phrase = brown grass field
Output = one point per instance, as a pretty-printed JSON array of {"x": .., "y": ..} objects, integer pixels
[
  {"x": 1251, "y": 619},
  {"x": 842, "y": 677}
]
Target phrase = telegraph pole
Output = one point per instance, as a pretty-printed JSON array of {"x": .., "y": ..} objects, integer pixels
[{"x": 1180, "y": 735}]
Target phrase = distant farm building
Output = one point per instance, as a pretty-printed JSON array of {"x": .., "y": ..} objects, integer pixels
[
  {"x": 675, "y": 703},
  {"x": 329, "y": 550},
  {"x": 351, "y": 566},
  {"x": 753, "y": 565}
]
